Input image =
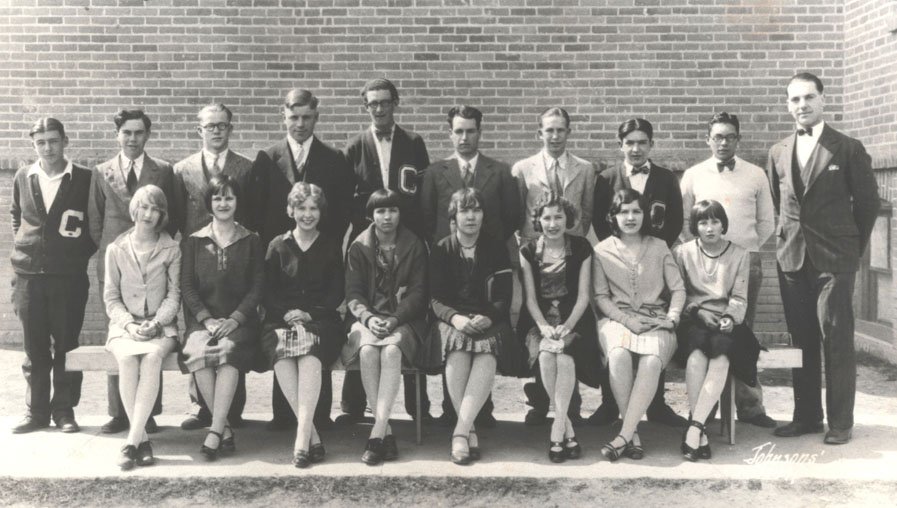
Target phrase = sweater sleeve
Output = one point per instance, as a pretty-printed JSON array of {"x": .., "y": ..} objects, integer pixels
[
  {"x": 413, "y": 304},
  {"x": 738, "y": 294},
  {"x": 167, "y": 312},
  {"x": 272, "y": 298},
  {"x": 500, "y": 281},
  {"x": 189, "y": 282},
  {"x": 602, "y": 293},
  {"x": 357, "y": 277},
  {"x": 256, "y": 266},
  {"x": 115, "y": 306},
  {"x": 440, "y": 277},
  {"x": 675, "y": 285}
]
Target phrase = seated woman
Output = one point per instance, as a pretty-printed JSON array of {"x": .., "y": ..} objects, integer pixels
[
  {"x": 304, "y": 286},
  {"x": 222, "y": 275},
  {"x": 142, "y": 295},
  {"x": 557, "y": 320},
  {"x": 386, "y": 294},
  {"x": 712, "y": 332},
  {"x": 470, "y": 287},
  {"x": 633, "y": 272}
]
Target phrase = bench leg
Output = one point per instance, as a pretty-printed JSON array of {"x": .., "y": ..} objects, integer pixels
[
  {"x": 417, "y": 421},
  {"x": 727, "y": 409}
]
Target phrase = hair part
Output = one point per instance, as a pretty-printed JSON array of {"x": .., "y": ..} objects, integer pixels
[
  {"x": 805, "y": 76},
  {"x": 635, "y": 124},
  {"x": 299, "y": 97},
  {"x": 302, "y": 191},
  {"x": 215, "y": 108},
  {"x": 466, "y": 112},
  {"x": 218, "y": 186},
  {"x": 624, "y": 197},
  {"x": 150, "y": 195},
  {"x": 724, "y": 118},
  {"x": 555, "y": 111},
  {"x": 131, "y": 114},
  {"x": 382, "y": 198},
  {"x": 704, "y": 210},
  {"x": 464, "y": 199},
  {"x": 380, "y": 84},
  {"x": 550, "y": 199},
  {"x": 46, "y": 124}
]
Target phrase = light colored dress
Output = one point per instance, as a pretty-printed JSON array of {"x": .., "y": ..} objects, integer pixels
[
  {"x": 140, "y": 286},
  {"x": 637, "y": 288}
]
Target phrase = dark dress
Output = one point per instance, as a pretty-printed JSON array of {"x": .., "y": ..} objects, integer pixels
[
  {"x": 584, "y": 349},
  {"x": 478, "y": 286},
  {"x": 221, "y": 282},
  {"x": 313, "y": 281}
]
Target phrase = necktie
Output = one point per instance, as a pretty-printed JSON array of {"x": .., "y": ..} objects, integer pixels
[
  {"x": 214, "y": 168},
  {"x": 466, "y": 174},
  {"x": 640, "y": 169},
  {"x": 721, "y": 166},
  {"x": 383, "y": 135},
  {"x": 298, "y": 168},
  {"x": 554, "y": 179},
  {"x": 808, "y": 131},
  {"x": 132, "y": 178}
]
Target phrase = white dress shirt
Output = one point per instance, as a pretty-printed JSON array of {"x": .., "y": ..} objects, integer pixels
[
  {"x": 384, "y": 153},
  {"x": 807, "y": 143},
  {"x": 638, "y": 181},
  {"x": 210, "y": 159},
  {"x": 49, "y": 185},
  {"x": 125, "y": 162}
]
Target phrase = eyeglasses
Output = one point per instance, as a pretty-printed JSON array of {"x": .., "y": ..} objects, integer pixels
[
  {"x": 731, "y": 138},
  {"x": 379, "y": 104},
  {"x": 210, "y": 127}
]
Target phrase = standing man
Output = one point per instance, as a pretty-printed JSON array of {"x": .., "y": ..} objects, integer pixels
[
  {"x": 384, "y": 156},
  {"x": 114, "y": 182},
  {"x": 827, "y": 200},
  {"x": 553, "y": 170},
  {"x": 660, "y": 189},
  {"x": 743, "y": 190},
  {"x": 191, "y": 178},
  {"x": 50, "y": 254},
  {"x": 300, "y": 157},
  {"x": 467, "y": 167}
]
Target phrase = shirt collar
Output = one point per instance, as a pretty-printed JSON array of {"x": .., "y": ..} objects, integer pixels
[
  {"x": 37, "y": 169},
  {"x": 138, "y": 162},
  {"x": 472, "y": 161},
  {"x": 718, "y": 161},
  {"x": 206, "y": 232},
  {"x": 629, "y": 167},
  {"x": 294, "y": 145},
  {"x": 209, "y": 157},
  {"x": 562, "y": 160},
  {"x": 392, "y": 132},
  {"x": 817, "y": 131}
]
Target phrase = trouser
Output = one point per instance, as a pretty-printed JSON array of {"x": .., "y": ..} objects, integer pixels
[
  {"x": 353, "y": 399},
  {"x": 200, "y": 409},
  {"x": 51, "y": 310},
  {"x": 283, "y": 412},
  {"x": 819, "y": 314},
  {"x": 749, "y": 399},
  {"x": 449, "y": 410}
]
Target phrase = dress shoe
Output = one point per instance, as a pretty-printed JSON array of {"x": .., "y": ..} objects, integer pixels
[
  {"x": 665, "y": 415},
  {"x": 194, "y": 422},
  {"x": 228, "y": 444},
  {"x": 145, "y": 454},
  {"x": 486, "y": 421},
  {"x": 349, "y": 419},
  {"x": 448, "y": 420},
  {"x": 211, "y": 454},
  {"x": 301, "y": 459},
  {"x": 795, "y": 429},
  {"x": 460, "y": 457},
  {"x": 604, "y": 415},
  {"x": 127, "y": 457},
  {"x": 390, "y": 448},
  {"x": 317, "y": 452},
  {"x": 760, "y": 420},
  {"x": 30, "y": 424},
  {"x": 115, "y": 425},
  {"x": 535, "y": 417},
  {"x": 373, "y": 452},
  {"x": 151, "y": 426},
  {"x": 277, "y": 424},
  {"x": 556, "y": 452},
  {"x": 67, "y": 424},
  {"x": 572, "y": 449},
  {"x": 838, "y": 436}
]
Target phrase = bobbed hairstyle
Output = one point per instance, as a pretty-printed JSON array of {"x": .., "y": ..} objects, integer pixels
[
  {"x": 704, "y": 210},
  {"x": 131, "y": 114},
  {"x": 725, "y": 118},
  {"x": 46, "y": 124},
  {"x": 635, "y": 124},
  {"x": 555, "y": 111},
  {"x": 382, "y": 198},
  {"x": 463, "y": 199},
  {"x": 548, "y": 200},
  {"x": 218, "y": 185},
  {"x": 153, "y": 196},
  {"x": 805, "y": 76},
  {"x": 466, "y": 112},
  {"x": 302, "y": 191},
  {"x": 380, "y": 84},
  {"x": 624, "y": 197}
]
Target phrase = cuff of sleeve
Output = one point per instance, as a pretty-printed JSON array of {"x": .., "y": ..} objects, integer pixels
[
  {"x": 203, "y": 315},
  {"x": 238, "y": 316}
]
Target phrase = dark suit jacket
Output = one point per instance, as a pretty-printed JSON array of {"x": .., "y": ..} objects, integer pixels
[
  {"x": 832, "y": 219},
  {"x": 407, "y": 163},
  {"x": 661, "y": 193},
  {"x": 191, "y": 178},
  {"x": 107, "y": 207},
  {"x": 492, "y": 178},
  {"x": 272, "y": 179}
]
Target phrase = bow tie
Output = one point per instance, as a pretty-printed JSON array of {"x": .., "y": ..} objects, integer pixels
[
  {"x": 808, "y": 131},
  {"x": 640, "y": 169},
  {"x": 387, "y": 135},
  {"x": 721, "y": 166}
]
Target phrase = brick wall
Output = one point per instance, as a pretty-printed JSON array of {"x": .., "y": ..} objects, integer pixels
[{"x": 671, "y": 61}]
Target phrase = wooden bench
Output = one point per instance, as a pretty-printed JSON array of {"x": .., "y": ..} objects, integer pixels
[
  {"x": 778, "y": 357},
  {"x": 96, "y": 358}
]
